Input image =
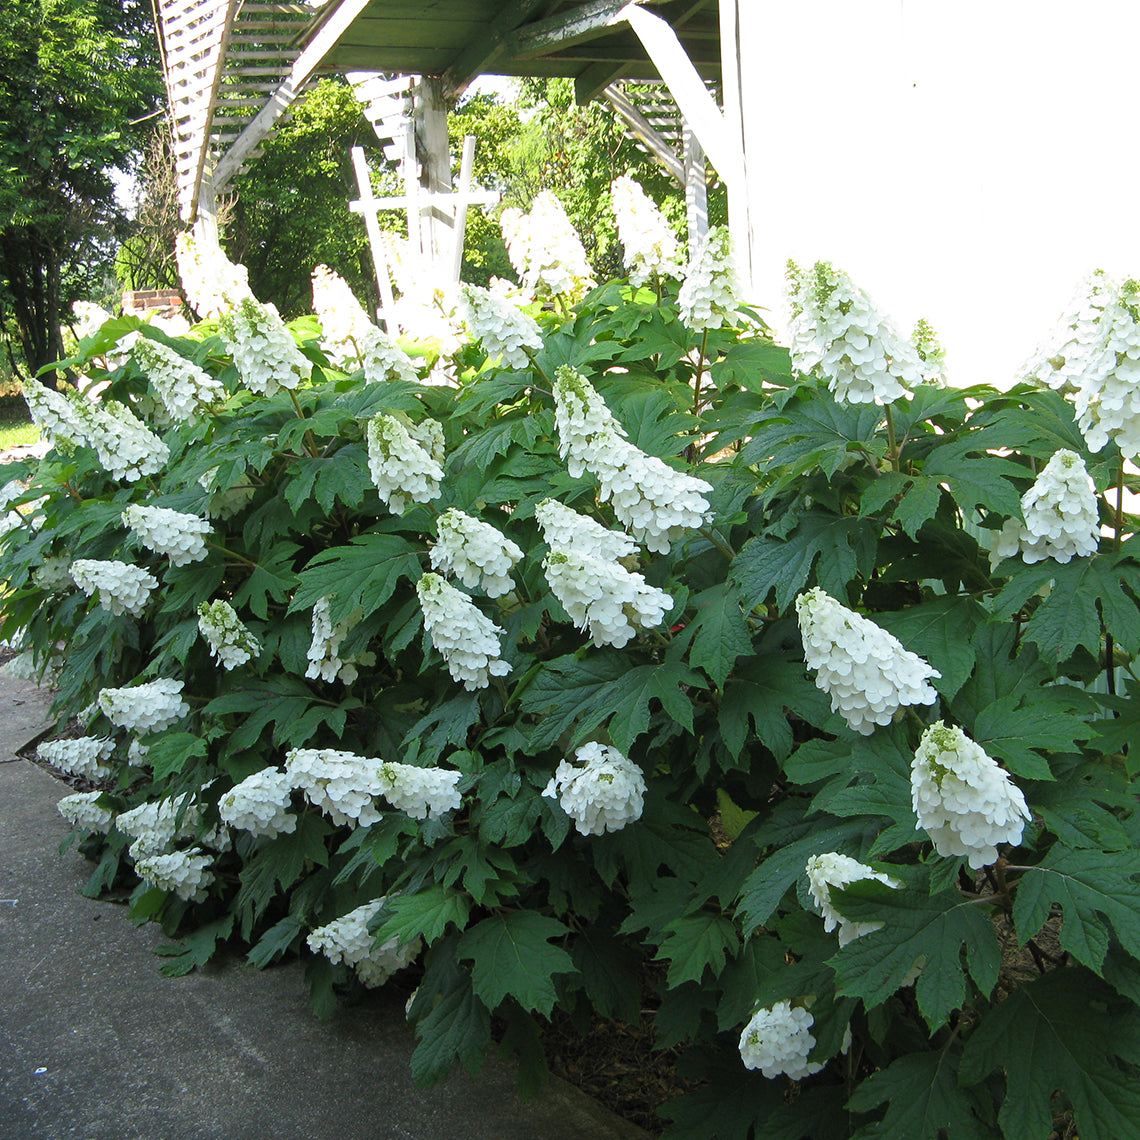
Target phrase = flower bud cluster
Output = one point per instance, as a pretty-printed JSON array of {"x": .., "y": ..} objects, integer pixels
[
  {"x": 212, "y": 283},
  {"x": 565, "y": 529},
  {"x": 405, "y": 461},
  {"x": 423, "y": 793},
  {"x": 708, "y": 295},
  {"x": 149, "y": 707},
  {"x": 184, "y": 389},
  {"x": 545, "y": 251},
  {"x": 475, "y": 552},
  {"x": 127, "y": 448},
  {"x": 325, "y": 661},
  {"x": 1061, "y": 515},
  {"x": 964, "y": 801},
  {"x": 778, "y": 1040},
  {"x": 651, "y": 246},
  {"x": 865, "y": 670},
  {"x": 838, "y": 334},
  {"x": 83, "y": 756},
  {"x": 264, "y": 351},
  {"x": 467, "y": 640},
  {"x": 600, "y": 789},
  {"x": 347, "y": 940},
  {"x": 835, "y": 870},
  {"x": 186, "y": 873},
  {"x": 181, "y": 537},
  {"x": 228, "y": 638},
  {"x": 500, "y": 326},
  {"x": 260, "y": 804},
  {"x": 341, "y": 784},
  {"x": 83, "y": 811},
  {"x": 156, "y": 826},
  {"x": 122, "y": 588}
]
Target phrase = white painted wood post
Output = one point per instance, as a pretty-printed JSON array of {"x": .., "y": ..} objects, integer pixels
[
  {"x": 462, "y": 198},
  {"x": 367, "y": 207},
  {"x": 696, "y": 188}
]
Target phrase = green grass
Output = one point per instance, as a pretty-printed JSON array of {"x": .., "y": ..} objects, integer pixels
[{"x": 16, "y": 427}]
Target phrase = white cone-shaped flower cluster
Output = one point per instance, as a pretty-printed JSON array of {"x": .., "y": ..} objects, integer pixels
[
  {"x": 149, "y": 707},
  {"x": 54, "y": 575},
  {"x": 423, "y": 793},
  {"x": 405, "y": 462},
  {"x": 325, "y": 660},
  {"x": 653, "y": 501},
  {"x": 264, "y": 351},
  {"x": 88, "y": 318},
  {"x": 122, "y": 588},
  {"x": 212, "y": 283},
  {"x": 1061, "y": 515},
  {"x": 154, "y": 827},
  {"x": 127, "y": 448},
  {"x": 500, "y": 326},
  {"x": 778, "y": 1040},
  {"x": 341, "y": 784},
  {"x": 567, "y": 530},
  {"x": 545, "y": 251},
  {"x": 230, "y": 642},
  {"x": 613, "y": 603},
  {"x": 186, "y": 873},
  {"x": 467, "y": 639},
  {"x": 1075, "y": 346},
  {"x": 83, "y": 812},
  {"x": 260, "y": 804},
  {"x": 600, "y": 789},
  {"x": 866, "y": 671},
  {"x": 835, "y": 870},
  {"x": 475, "y": 552},
  {"x": 83, "y": 756},
  {"x": 53, "y": 413},
  {"x": 347, "y": 940},
  {"x": 651, "y": 246},
  {"x": 184, "y": 389},
  {"x": 839, "y": 335},
  {"x": 181, "y": 537},
  {"x": 964, "y": 801},
  {"x": 708, "y": 295}
]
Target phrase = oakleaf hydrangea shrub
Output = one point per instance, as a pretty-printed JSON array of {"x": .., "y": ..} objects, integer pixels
[{"x": 644, "y": 666}]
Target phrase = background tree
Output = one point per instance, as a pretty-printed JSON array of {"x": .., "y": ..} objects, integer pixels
[{"x": 76, "y": 79}]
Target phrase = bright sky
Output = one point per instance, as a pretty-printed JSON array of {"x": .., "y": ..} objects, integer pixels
[{"x": 966, "y": 162}]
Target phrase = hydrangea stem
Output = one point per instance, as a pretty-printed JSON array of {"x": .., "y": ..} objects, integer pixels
[
  {"x": 892, "y": 442},
  {"x": 1117, "y": 528}
]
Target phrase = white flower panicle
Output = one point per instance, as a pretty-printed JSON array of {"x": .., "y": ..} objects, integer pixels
[
  {"x": 600, "y": 789},
  {"x": 475, "y": 552},
  {"x": 866, "y": 671},
  {"x": 545, "y": 251},
  {"x": 565, "y": 529},
  {"x": 613, "y": 603},
  {"x": 185, "y": 873},
  {"x": 84, "y": 756},
  {"x": 1075, "y": 347},
  {"x": 778, "y": 1041},
  {"x": 123, "y": 589},
  {"x": 54, "y": 575},
  {"x": 423, "y": 793},
  {"x": 385, "y": 360},
  {"x": 83, "y": 811},
  {"x": 149, "y": 707},
  {"x": 212, "y": 283},
  {"x": 54, "y": 414},
  {"x": 467, "y": 640},
  {"x": 835, "y": 870},
  {"x": 126, "y": 447},
  {"x": 181, "y": 537},
  {"x": 341, "y": 784},
  {"x": 708, "y": 295},
  {"x": 264, "y": 351},
  {"x": 404, "y": 461},
  {"x": 260, "y": 804},
  {"x": 347, "y": 940},
  {"x": 964, "y": 801},
  {"x": 837, "y": 334},
  {"x": 344, "y": 323},
  {"x": 925, "y": 342},
  {"x": 184, "y": 389},
  {"x": 157, "y": 825},
  {"x": 88, "y": 318},
  {"x": 653, "y": 501},
  {"x": 229, "y": 640},
  {"x": 500, "y": 326},
  {"x": 651, "y": 246},
  {"x": 1061, "y": 515},
  {"x": 325, "y": 661}
]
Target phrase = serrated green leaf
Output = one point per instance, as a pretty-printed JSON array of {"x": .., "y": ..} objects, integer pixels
[
  {"x": 611, "y": 974},
  {"x": 977, "y": 481},
  {"x": 918, "y": 928},
  {"x": 275, "y": 942},
  {"x": 511, "y": 955},
  {"x": 170, "y": 752},
  {"x": 1052, "y": 1033},
  {"x": 447, "y": 723},
  {"x": 272, "y": 579},
  {"x": 720, "y": 633},
  {"x": 426, "y": 914},
  {"x": 697, "y": 941},
  {"x": 458, "y": 1028},
  {"x": 342, "y": 476},
  {"x": 939, "y": 631},
  {"x": 285, "y": 702},
  {"x": 1090, "y": 886},
  {"x": 1011, "y": 732},
  {"x": 196, "y": 948},
  {"x": 727, "y": 1108},
  {"x": 480, "y": 448}
]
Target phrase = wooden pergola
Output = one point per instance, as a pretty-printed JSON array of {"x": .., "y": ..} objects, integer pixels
[{"x": 234, "y": 68}]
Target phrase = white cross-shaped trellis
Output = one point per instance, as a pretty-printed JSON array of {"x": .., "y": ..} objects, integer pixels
[{"x": 416, "y": 201}]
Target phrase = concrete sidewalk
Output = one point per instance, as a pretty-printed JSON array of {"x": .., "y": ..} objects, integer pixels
[{"x": 96, "y": 1044}]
